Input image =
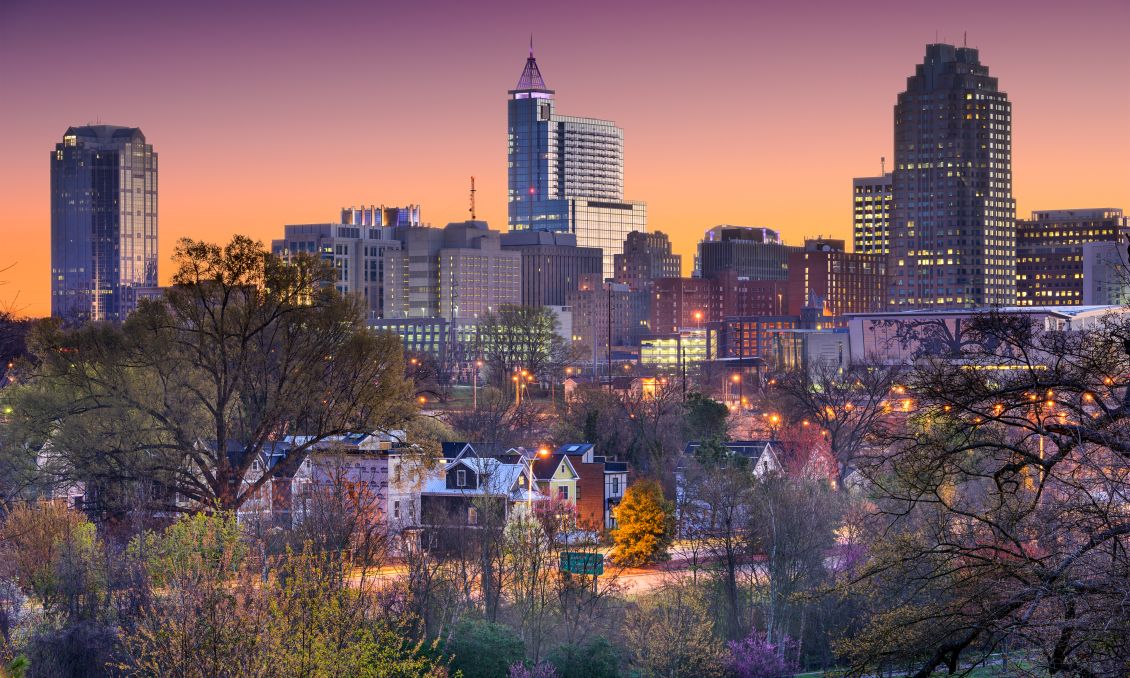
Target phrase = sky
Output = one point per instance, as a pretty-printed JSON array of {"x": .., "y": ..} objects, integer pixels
[{"x": 752, "y": 113}]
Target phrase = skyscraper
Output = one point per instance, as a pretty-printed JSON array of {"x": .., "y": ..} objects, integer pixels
[
  {"x": 646, "y": 256},
  {"x": 953, "y": 235},
  {"x": 566, "y": 173},
  {"x": 103, "y": 222},
  {"x": 871, "y": 214}
]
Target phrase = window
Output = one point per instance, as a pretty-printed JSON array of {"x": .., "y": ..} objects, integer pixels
[
  {"x": 563, "y": 492},
  {"x": 472, "y": 515},
  {"x": 396, "y": 509},
  {"x": 461, "y": 478},
  {"x": 615, "y": 485}
]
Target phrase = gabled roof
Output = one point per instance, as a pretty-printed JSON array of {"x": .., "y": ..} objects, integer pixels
[
  {"x": 500, "y": 479},
  {"x": 545, "y": 468}
]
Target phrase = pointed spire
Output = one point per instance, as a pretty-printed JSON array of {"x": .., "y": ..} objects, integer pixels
[{"x": 531, "y": 77}]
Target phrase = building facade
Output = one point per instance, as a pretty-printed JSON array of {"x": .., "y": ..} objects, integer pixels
[
  {"x": 752, "y": 252},
  {"x": 684, "y": 303},
  {"x": 103, "y": 222},
  {"x": 646, "y": 256},
  {"x": 380, "y": 215},
  {"x": 459, "y": 272},
  {"x": 566, "y": 173},
  {"x": 845, "y": 282},
  {"x": 357, "y": 254},
  {"x": 552, "y": 264},
  {"x": 1051, "y": 269},
  {"x": 872, "y": 199},
  {"x": 953, "y": 232},
  {"x": 601, "y": 314}
]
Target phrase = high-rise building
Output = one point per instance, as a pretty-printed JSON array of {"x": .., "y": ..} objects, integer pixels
[
  {"x": 1106, "y": 274},
  {"x": 1051, "y": 267},
  {"x": 566, "y": 173},
  {"x": 751, "y": 252},
  {"x": 871, "y": 199},
  {"x": 459, "y": 272},
  {"x": 103, "y": 222},
  {"x": 845, "y": 282},
  {"x": 953, "y": 232},
  {"x": 357, "y": 253},
  {"x": 552, "y": 264},
  {"x": 646, "y": 256}
]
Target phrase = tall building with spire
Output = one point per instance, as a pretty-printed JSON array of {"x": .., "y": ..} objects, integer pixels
[
  {"x": 953, "y": 231},
  {"x": 566, "y": 173},
  {"x": 103, "y": 222}
]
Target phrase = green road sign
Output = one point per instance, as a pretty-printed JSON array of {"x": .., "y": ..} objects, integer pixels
[{"x": 582, "y": 563}]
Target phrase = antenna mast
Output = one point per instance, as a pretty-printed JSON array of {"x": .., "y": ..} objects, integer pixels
[
  {"x": 472, "y": 199},
  {"x": 883, "y": 165}
]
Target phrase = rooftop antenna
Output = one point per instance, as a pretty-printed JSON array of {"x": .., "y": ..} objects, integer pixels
[
  {"x": 531, "y": 45},
  {"x": 472, "y": 198},
  {"x": 965, "y": 38},
  {"x": 883, "y": 165}
]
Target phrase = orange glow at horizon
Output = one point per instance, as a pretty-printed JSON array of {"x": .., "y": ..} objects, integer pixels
[{"x": 743, "y": 113}]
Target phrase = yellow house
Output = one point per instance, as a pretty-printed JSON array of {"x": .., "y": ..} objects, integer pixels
[{"x": 555, "y": 477}]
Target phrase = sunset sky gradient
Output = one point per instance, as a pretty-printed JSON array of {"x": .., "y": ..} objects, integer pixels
[{"x": 734, "y": 112}]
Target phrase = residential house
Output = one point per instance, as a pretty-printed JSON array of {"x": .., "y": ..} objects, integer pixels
[
  {"x": 555, "y": 477},
  {"x": 475, "y": 493},
  {"x": 600, "y": 485}
]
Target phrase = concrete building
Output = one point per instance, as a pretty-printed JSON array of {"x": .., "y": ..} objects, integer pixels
[
  {"x": 684, "y": 303},
  {"x": 846, "y": 282},
  {"x": 566, "y": 173},
  {"x": 1050, "y": 263},
  {"x": 552, "y": 264},
  {"x": 103, "y": 222},
  {"x": 1106, "y": 274},
  {"x": 872, "y": 199},
  {"x": 601, "y": 316},
  {"x": 752, "y": 252},
  {"x": 953, "y": 233},
  {"x": 459, "y": 272},
  {"x": 646, "y": 256},
  {"x": 357, "y": 253}
]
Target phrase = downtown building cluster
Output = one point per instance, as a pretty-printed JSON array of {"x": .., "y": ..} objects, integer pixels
[{"x": 936, "y": 234}]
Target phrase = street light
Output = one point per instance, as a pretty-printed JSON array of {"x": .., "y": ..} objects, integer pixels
[{"x": 475, "y": 385}]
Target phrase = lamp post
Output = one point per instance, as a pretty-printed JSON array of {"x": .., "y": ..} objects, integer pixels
[{"x": 475, "y": 385}]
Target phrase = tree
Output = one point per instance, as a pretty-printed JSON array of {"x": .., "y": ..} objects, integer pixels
[
  {"x": 193, "y": 388},
  {"x": 482, "y": 649},
  {"x": 520, "y": 338},
  {"x": 848, "y": 405},
  {"x": 597, "y": 658},
  {"x": 705, "y": 418},
  {"x": 755, "y": 657},
  {"x": 645, "y": 525},
  {"x": 1001, "y": 506},
  {"x": 671, "y": 633}
]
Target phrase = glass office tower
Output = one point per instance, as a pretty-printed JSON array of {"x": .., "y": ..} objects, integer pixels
[
  {"x": 566, "y": 173},
  {"x": 953, "y": 232},
  {"x": 103, "y": 222}
]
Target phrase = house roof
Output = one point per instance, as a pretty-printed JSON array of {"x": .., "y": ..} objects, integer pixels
[
  {"x": 574, "y": 448},
  {"x": 546, "y": 467},
  {"x": 501, "y": 478}
]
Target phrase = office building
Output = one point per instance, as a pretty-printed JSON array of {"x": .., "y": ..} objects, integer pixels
[
  {"x": 566, "y": 173},
  {"x": 552, "y": 264},
  {"x": 1106, "y": 274},
  {"x": 751, "y": 252},
  {"x": 871, "y": 199},
  {"x": 843, "y": 282},
  {"x": 459, "y": 272},
  {"x": 1050, "y": 265},
  {"x": 646, "y": 256},
  {"x": 103, "y": 222},
  {"x": 742, "y": 296},
  {"x": 953, "y": 232},
  {"x": 601, "y": 316},
  {"x": 357, "y": 253},
  {"x": 683, "y": 303}
]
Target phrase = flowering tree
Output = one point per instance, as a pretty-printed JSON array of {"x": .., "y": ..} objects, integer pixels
[{"x": 755, "y": 657}]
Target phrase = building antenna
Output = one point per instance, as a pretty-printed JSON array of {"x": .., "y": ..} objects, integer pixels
[
  {"x": 883, "y": 165},
  {"x": 472, "y": 199},
  {"x": 965, "y": 38},
  {"x": 531, "y": 45}
]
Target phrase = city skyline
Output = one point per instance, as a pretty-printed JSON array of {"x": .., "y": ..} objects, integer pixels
[{"x": 263, "y": 120}]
